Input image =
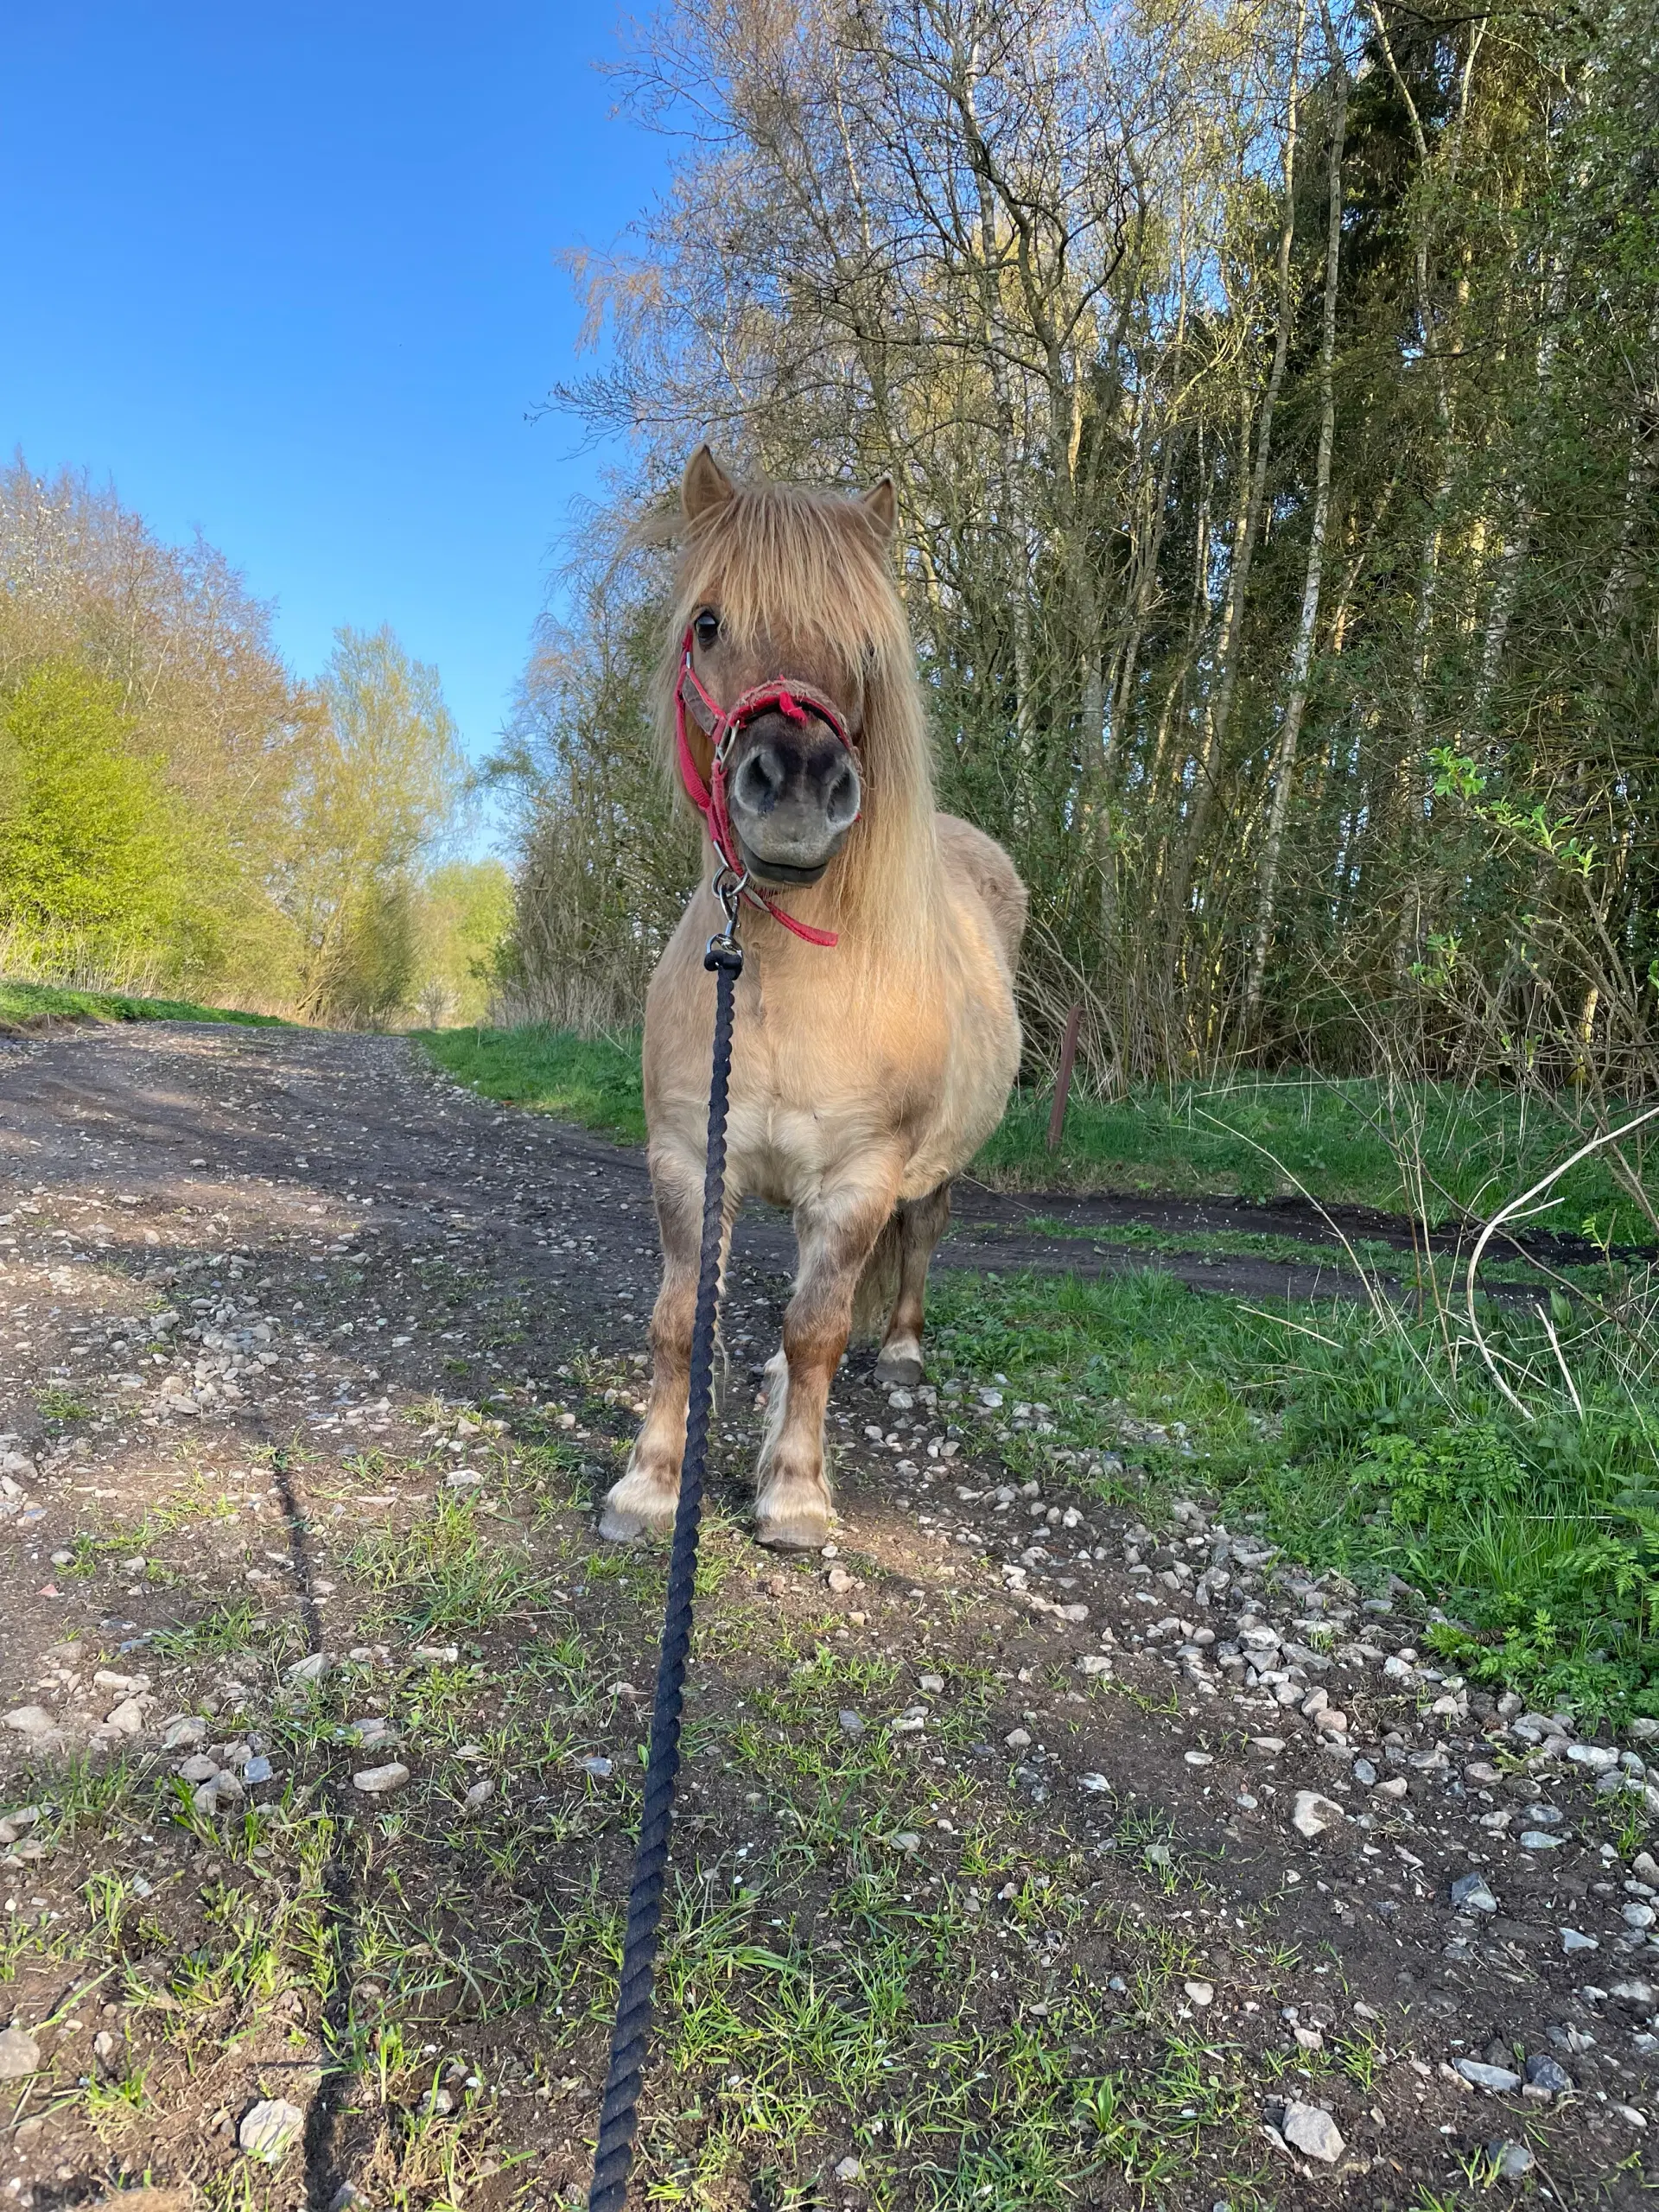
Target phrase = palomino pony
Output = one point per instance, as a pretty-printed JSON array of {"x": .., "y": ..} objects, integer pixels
[{"x": 875, "y": 1034}]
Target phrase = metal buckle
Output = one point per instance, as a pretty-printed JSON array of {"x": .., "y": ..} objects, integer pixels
[{"x": 723, "y": 949}]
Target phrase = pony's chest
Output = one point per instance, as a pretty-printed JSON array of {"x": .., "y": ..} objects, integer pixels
[{"x": 806, "y": 1104}]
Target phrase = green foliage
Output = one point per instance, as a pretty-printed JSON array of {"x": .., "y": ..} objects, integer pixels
[
  {"x": 378, "y": 788},
  {"x": 464, "y": 913},
  {"x": 89, "y": 838}
]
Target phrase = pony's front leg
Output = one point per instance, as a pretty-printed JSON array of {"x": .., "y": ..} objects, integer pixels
[
  {"x": 642, "y": 1503},
  {"x": 836, "y": 1237}
]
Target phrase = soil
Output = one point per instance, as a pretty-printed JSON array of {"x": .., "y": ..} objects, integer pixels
[{"x": 388, "y": 1296}]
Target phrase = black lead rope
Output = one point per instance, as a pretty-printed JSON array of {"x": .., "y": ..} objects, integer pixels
[{"x": 619, "y": 2111}]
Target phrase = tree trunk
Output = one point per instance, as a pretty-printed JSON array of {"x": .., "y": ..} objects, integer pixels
[
  {"x": 1301, "y": 659},
  {"x": 1232, "y": 618}
]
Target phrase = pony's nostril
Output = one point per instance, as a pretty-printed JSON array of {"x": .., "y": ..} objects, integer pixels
[
  {"x": 841, "y": 803},
  {"x": 760, "y": 779}
]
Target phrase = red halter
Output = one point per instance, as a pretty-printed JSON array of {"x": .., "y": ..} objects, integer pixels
[{"x": 721, "y": 724}]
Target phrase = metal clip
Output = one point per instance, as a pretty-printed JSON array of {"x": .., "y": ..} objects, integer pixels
[{"x": 723, "y": 950}]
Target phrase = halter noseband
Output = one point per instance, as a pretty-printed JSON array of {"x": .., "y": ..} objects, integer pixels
[{"x": 797, "y": 702}]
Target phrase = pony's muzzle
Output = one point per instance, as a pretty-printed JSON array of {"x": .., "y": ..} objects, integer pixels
[{"x": 793, "y": 793}]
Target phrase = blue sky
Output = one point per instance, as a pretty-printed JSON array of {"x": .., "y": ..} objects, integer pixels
[{"x": 289, "y": 274}]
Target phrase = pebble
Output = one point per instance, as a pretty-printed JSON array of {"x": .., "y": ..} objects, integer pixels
[
  {"x": 1546, "y": 2072},
  {"x": 852, "y": 1724},
  {"x": 596, "y": 1765},
  {"x": 1308, "y": 2129},
  {"x": 1201, "y": 1993},
  {"x": 1572, "y": 1940},
  {"x": 1313, "y": 1814},
  {"x": 848, "y": 2170},
  {"x": 1095, "y": 1783},
  {"x": 1500, "y": 2079},
  {"x": 1364, "y": 1773},
  {"x": 1598, "y": 1757},
  {"x": 268, "y": 2129},
  {"x": 839, "y": 1581},
  {"x": 1395, "y": 1786},
  {"x": 258, "y": 1769},
  {"x": 1017, "y": 1739},
  {"x": 1510, "y": 2160},
  {"x": 380, "y": 1781},
  {"x": 931, "y": 1683},
  {"x": 1199, "y": 1758},
  {"x": 480, "y": 1793},
  {"x": 1469, "y": 1893},
  {"x": 1535, "y": 1840},
  {"x": 20, "y": 2055}
]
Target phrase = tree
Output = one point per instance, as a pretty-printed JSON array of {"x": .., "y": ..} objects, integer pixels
[
  {"x": 463, "y": 913},
  {"x": 90, "y": 838},
  {"x": 380, "y": 786}
]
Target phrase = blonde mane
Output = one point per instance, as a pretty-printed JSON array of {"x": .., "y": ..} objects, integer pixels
[{"x": 808, "y": 572}]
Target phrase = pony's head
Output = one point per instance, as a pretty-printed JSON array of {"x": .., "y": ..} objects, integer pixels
[{"x": 778, "y": 588}]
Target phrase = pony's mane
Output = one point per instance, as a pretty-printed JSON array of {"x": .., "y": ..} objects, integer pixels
[{"x": 810, "y": 570}]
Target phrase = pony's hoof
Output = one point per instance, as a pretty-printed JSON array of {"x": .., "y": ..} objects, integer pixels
[
  {"x": 800, "y": 1525},
  {"x": 898, "y": 1369},
  {"x": 637, "y": 1509}
]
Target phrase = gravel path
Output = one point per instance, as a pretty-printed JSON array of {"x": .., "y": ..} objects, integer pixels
[{"x": 284, "y": 1314}]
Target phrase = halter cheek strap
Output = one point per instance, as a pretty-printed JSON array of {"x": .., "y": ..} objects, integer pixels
[{"x": 721, "y": 725}]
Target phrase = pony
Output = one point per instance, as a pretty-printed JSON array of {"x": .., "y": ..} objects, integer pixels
[{"x": 875, "y": 1037}]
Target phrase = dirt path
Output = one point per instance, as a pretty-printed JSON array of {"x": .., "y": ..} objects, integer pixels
[{"x": 1027, "y": 1856}]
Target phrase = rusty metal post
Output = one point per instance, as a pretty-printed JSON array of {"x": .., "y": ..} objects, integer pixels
[{"x": 1063, "y": 1087}]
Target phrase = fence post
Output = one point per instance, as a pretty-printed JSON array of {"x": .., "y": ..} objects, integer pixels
[{"x": 1063, "y": 1087}]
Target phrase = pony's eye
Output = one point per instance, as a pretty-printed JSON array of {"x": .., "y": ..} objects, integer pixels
[{"x": 706, "y": 628}]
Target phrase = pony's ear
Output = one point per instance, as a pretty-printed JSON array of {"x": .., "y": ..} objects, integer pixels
[
  {"x": 880, "y": 502},
  {"x": 705, "y": 485}
]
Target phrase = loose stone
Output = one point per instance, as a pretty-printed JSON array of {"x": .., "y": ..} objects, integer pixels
[
  {"x": 380, "y": 1781},
  {"x": 1313, "y": 2132}
]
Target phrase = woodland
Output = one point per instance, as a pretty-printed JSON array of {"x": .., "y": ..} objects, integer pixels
[
  {"x": 178, "y": 812},
  {"x": 1271, "y": 391}
]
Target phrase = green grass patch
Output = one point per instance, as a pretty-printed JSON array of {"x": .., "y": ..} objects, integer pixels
[
  {"x": 1371, "y": 1443},
  {"x": 1347, "y": 1141},
  {"x": 593, "y": 1081},
  {"x": 28, "y": 1002},
  {"x": 1253, "y": 1137},
  {"x": 443, "y": 1571}
]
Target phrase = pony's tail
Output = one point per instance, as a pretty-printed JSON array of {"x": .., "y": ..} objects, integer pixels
[{"x": 877, "y": 1286}]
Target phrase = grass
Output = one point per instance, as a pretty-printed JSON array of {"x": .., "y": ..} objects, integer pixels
[
  {"x": 21, "y": 1003},
  {"x": 1368, "y": 1441},
  {"x": 1251, "y": 1137},
  {"x": 593, "y": 1081},
  {"x": 445, "y": 1572}
]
